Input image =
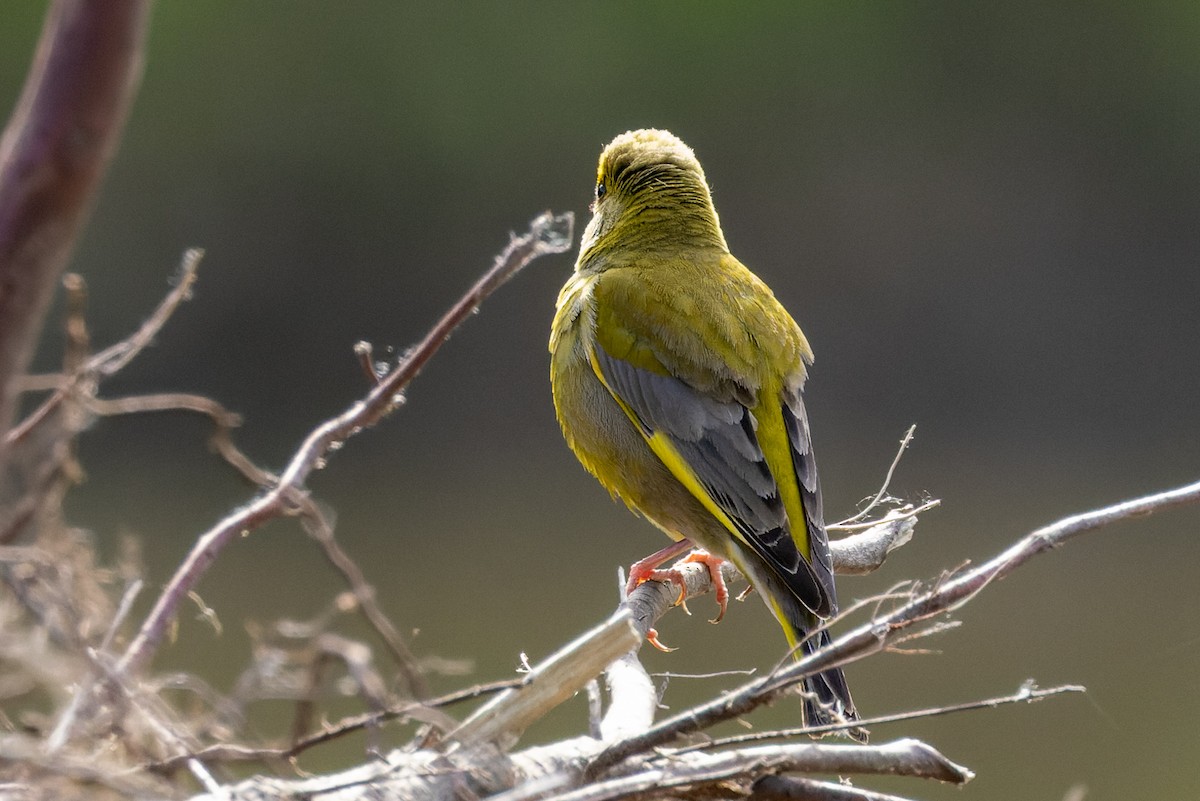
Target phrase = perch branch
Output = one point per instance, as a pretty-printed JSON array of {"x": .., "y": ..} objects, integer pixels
[
  {"x": 857, "y": 554},
  {"x": 947, "y": 594},
  {"x": 638, "y": 767},
  {"x": 547, "y": 234}
]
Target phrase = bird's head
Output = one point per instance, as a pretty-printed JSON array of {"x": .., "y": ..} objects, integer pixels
[{"x": 650, "y": 192}]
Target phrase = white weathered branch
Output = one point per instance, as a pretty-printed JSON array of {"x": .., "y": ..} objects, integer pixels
[{"x": 503, "y": 719}]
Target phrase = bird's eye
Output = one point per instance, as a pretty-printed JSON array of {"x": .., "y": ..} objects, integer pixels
[{"x": 601, "y": 190}]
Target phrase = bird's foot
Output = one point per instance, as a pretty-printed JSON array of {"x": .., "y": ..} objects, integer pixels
[{"x": 647, "y": 570}]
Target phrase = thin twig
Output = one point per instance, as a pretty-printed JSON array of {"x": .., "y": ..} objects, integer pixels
[
  {"x": 231, "y": 753},
  {"x": 365, "y": 353},
  {"x": 903, "y": 512},
  {"x": 887, "y": 480},
  {"x": 224, "y": 422},
  {"x": 1028, "y": 693},
  {"x": 318, "y": 527},
  {"x": 547, "y": 234},
  {"x": 113, "y": 359},
  {"x": 110, "y": 360}
]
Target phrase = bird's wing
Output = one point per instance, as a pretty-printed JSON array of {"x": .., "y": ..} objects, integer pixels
[{"x": 712, "y": 446}]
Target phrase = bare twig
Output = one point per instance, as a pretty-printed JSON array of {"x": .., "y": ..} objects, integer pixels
[
  {"x": 110, "y": 360},
  {"x": 547, "y": 234},
  {"x": 223, "y": 420},
  {"x": 232, "y": 753},
  {"x": 318, "y": 527},
  {"x": 53, "y": 155},
  {"x": 887, "y": 480},
  {"x": 49, "y": 458},
  {"x": 365, "y": 353},
  {"x": 908, "y": 510},
  {"x": 1028, "y": 693}
]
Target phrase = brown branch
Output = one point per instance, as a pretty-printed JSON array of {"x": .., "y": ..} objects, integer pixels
[
  {"x": 110, "y": 360},
  {"x": 53, "y": 155},
  {"x": 547, "y": 234},
  {"x": 42, "y": 444},
  {"x": 318, "y": 527},
  {"x": 224, "y": 422}
]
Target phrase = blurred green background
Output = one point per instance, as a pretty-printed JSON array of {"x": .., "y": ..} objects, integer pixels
[{"x": 986, "y": 217}]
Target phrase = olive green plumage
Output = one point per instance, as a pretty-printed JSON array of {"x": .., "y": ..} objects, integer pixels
[{"x": 677, "y": 378}]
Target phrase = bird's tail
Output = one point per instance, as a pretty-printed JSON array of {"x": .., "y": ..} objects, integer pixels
[{"x": 826, "y": 697}]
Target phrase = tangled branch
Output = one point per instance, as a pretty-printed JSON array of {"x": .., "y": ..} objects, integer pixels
[{"x": 547, "y": 234}]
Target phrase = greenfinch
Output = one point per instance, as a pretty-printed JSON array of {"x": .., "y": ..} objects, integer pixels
[{"x": 677, "y": 376}]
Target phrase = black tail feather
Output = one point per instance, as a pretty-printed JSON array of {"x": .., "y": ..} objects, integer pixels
[{"x": 826, "y": 697}]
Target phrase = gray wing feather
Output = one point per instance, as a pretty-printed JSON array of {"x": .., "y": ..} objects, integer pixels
[{"x": 716, "y": 438}]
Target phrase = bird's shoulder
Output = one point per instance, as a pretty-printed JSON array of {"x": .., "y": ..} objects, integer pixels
[{"x": 703, "y": 318}]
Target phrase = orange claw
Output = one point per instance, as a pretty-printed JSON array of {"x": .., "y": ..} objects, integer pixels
[
  {"x": 652, "y": 638},
  {"x": 713, "y": 563}
]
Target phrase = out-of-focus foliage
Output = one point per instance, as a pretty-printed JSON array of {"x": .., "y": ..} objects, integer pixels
[{"x": 984, "y": 217}]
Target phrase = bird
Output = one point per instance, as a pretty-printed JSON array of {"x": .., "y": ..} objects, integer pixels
[{"x": 677, "y": 376}]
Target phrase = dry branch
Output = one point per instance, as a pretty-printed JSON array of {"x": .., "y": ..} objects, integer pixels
[
  {"x": 547, "y": 234},
  {"x": 109, "y": 695},
  {"x": 644, "y": 767}
]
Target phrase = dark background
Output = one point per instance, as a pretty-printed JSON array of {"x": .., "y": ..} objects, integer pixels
[{"x": 985, "y": 217}]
